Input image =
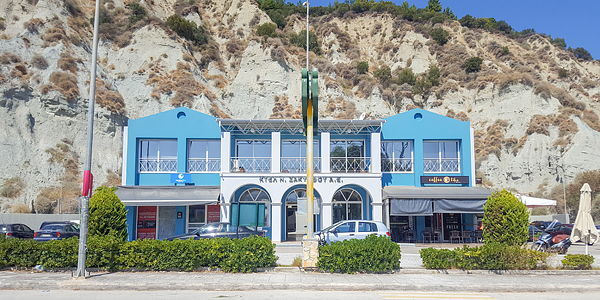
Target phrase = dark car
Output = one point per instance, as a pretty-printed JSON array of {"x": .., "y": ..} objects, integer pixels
[
  {"x": 215, "y": 230},
  {"x": 560, "y": 229},
  {"x": 16, "y": 230},
  {"x": 76, "y": 225},
  {"x": 534, "y": 233},
  {"x": 56, "y": 231}
]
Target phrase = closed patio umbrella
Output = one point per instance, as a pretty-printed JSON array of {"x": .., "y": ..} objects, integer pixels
[{"x": 584, "y": 229}]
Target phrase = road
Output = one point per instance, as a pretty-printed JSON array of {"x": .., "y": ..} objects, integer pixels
[{"x": 287, "y": 294}]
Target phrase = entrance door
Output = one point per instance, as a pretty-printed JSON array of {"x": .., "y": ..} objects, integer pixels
[
  {"x": 291, "y": 210},
  {"x": 166, "y": 221},
  {"x": 451, "y": 222}
]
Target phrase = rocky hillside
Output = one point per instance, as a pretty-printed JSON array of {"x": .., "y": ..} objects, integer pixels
[{"x": 534, "y": 106}]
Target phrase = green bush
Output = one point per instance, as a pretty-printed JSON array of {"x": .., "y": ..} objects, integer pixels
[
  {"x": 138, "y": 12},
  {"x": 107, "y": 214},
  {"x": 362, "y": 67},
  {"x": 300, "y": 41},
  {"x": 473, "y": 64},
  {"x": 440, "y": 35},
  {"x": 267, "y": 29},
  {"x": 187, "y": 29},
  {"x": 578, "y": 261},
  {"x": 373, "y": 254},
  {"x": 563, "y": 73},
  {"x": 407, "y": 76},
  {"x": 505, "y": 219},
  {"x": 438, "y": 258},
  {"x": 383, "y": 74},
  {"x": 434, "y": 75}
]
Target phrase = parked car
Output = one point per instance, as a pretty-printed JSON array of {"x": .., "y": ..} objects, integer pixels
[
  {"x": 56, "y": 231},
  {"x": 219, "y": 230},
  {"x": 560, "y": 229},
  {"x": 351, "y": 229},
  {"x": 16, "y": 230},
  {"x": 534, "y": 233},
  {"x": 75, "y": 224}
]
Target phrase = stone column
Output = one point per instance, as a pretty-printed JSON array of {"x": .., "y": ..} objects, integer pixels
[{"x": 310, "y": 252}]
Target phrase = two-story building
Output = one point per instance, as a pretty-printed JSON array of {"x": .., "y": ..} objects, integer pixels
[{"x": 183, "y": 169}]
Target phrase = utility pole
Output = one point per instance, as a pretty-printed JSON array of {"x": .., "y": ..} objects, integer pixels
[{"x": 87, "y": 174}]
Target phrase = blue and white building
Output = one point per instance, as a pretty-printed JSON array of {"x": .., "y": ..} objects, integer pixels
[{"x": 183, "y": 169}]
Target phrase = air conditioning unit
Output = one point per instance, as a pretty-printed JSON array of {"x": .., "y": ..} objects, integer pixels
[{"x": 235, "y": 165}]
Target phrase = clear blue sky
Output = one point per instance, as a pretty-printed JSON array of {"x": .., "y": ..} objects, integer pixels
[{"x": 576, "y": 21}]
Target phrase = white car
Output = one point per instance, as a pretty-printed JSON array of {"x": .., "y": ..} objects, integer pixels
[{"x": 351, "y": 229}]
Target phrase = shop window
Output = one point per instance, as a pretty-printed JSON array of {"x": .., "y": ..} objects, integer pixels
[
  {"x": 347, "y": 205},
  {"x": 158, "y": 156},
  {"x": 293, "y": 156},
  {"x": 247, "y": 213},
  {"x": 204, "y": 156},
  {"x": 196, "y": 216},
  {"x": 397, "y": 156},
  {"x": 253, "y": 156},
  {"x": 347, "y": 156},
  {"x": 441, "y": 156}
]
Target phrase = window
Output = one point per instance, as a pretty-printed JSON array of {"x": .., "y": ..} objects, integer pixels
[
  {"x": 367, "y": 227},
  {"x": 347, "y": 205},
  {"x": 397, "y": 156},
  {"x": 196, "y": 217},
  {"x": 293, "y": 156},
  {"x": 346, "y": 227},
  {"x": 204, "y": 156},
  {"x": 257, "y": 196},
  {"x": 348, "y": 156},
  {"x": 441, "y": 156},
  {"x": 158, "y": 156},
  {"x": 252, "y": 156}
]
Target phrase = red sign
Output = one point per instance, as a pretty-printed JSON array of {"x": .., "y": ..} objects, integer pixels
[
  {"x": 146, "y": 222},
  {"x": 213, "y": 213}
]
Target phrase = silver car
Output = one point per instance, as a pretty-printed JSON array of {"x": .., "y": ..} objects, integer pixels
[{"x": 351, "y": 229}]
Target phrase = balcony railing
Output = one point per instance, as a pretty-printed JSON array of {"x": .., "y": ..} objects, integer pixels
[
  {"x": 396, "y": 165},
  {"x": 438, "y": 165},
  {"x": 298, "y": 164},
  {"x": 350, "y": 164},
  {"x": 197, "y": 165},
  {"x": 251, "y": 164},
  {"x": 155, "y": 165}
]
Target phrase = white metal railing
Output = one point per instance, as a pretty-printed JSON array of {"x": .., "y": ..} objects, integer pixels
[
  {"x": 155, "y": 165},
  {"x": 298, "y": 164},
  {"x": 396, "y": 165},
  {"x": 204, "y": 165},
  {"x": 350, "y": 164},
  {"x": 435, "y": 165},
  {"x": 251, "y": 164}
]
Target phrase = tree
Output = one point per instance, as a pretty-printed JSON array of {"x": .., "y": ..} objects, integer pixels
[
  {"x": 439, "y": 35},
  {"x": 267, "y": 30},
  {"x": 580, "y": 52},
  {"x": 434, "y": 5},
  {"x": 187, "y": 29},
  {"x": 407, "y": 76},
  {"x": 107, "y": 214},
  {"x": 505, "y": 219},
  {"x": 300, "y": 41},
  {"x": 473, "y": 64},
  {"x": 434, "y": 75},
  {"x": 362, "y": 67},
  {"x": 559, "y": 42},
  {"x": 384, "y": 74}
]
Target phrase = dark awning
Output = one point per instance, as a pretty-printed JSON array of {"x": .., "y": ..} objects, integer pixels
[
  {"x": 458, "y": 206},
  {"x": 168, "y": 195},
  {"x": 442, "y": 192},
  {"x": 411, "y": 207}
]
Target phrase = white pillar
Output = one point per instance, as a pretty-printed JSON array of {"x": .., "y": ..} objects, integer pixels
[
  {"x": 276, "y": 225},
  {"x": 124, "y": 162},
  {"x": 275, "y": 152},
  {"x": 326, "y": 215},
  {"x": 325, "y": 141},
  {"x": 226, "y": 152},
  {"x": 375, "y": 152},
  {"x": 377, "y": 211},
  {"x": 225, "y": 212},
  {"x": 472, "y": 158}
]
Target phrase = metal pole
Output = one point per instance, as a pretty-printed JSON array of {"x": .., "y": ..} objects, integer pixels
[
  {"x": 88, "y": 156},
  {"x": 309, "y": 168},
  {"x": 307, "y": 6}
]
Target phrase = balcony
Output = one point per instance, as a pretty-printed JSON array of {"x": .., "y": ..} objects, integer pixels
[
  {"x": 155, "y": 165},
  {"x": 441, "y": 165},
  {"x": 251, "y": 164},
  {"x": 350, "y": 164},
  {"x": 298, "y": 164},
  {"x": 204, "y": 165},
  {"x": 396, "y": 165}
]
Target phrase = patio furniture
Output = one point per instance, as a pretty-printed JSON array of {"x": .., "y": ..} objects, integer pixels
[
  {"x": 479, "y": 236},
  {"x": 455, "y": 235},
  {"x": 466, "y": 234},
  {"x": 437, "y": 236},
  {"x": 426, "y": 235},
  {"x": 410, "y": 236}
]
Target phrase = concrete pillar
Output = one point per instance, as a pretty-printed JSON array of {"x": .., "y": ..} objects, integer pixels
[
  {"x": 375, "y": 153},
  {"x": 276, "y": 225},
  {"x": 124, "y": 162},
  {"x": 226, "y": 152},
  {"x": 377, "y": 211},
  {"x": 326, "y": 212},
  {"x": 325, "y": 141},
  {"x": 275, "y": 152}
]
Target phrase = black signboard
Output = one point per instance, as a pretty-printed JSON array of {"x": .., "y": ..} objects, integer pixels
[{"x": 444, "y": 179}]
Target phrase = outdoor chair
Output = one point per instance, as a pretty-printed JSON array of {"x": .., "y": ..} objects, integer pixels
[
  {"x": 437, "y": 236},
  {"x": 455, "y": 235},
  {"x": 479, "y": 236},
  {"x": 411, "y": 236},
  {"x": 426, "y": 235},
  {"x": 466, "y": 235}
]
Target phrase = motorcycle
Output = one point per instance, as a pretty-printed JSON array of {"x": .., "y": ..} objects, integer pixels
[{"x": 552, "y": 241}]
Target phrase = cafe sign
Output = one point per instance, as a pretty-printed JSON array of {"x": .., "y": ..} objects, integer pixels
[{"x": 444, "y": 179}]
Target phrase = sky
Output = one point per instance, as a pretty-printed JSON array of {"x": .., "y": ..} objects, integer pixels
[{"x": 576, "y": 21}]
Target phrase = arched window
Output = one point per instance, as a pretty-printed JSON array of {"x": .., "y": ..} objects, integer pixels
[
  {"x": 347, "y": 205},
  {"x": 256, "y": 195}
]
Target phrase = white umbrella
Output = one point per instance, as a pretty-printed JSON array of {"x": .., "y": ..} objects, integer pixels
[{"x": 584, "y": 229}]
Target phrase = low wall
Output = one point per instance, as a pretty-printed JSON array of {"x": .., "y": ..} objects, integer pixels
[
  {"x": 35, "y": 220},
  {"x": 562, "y": 218}
]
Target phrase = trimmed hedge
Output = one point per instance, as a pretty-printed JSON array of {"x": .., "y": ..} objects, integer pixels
[
  {"x": 373, "y": 254},
  {"x": 577, "y": 261},
  {"x": 492, "y": 256},
  {"x": 109, "y": 253}
]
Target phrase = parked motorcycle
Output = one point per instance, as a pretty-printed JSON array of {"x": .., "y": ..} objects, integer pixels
[{"x": 552, "y": 241}]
